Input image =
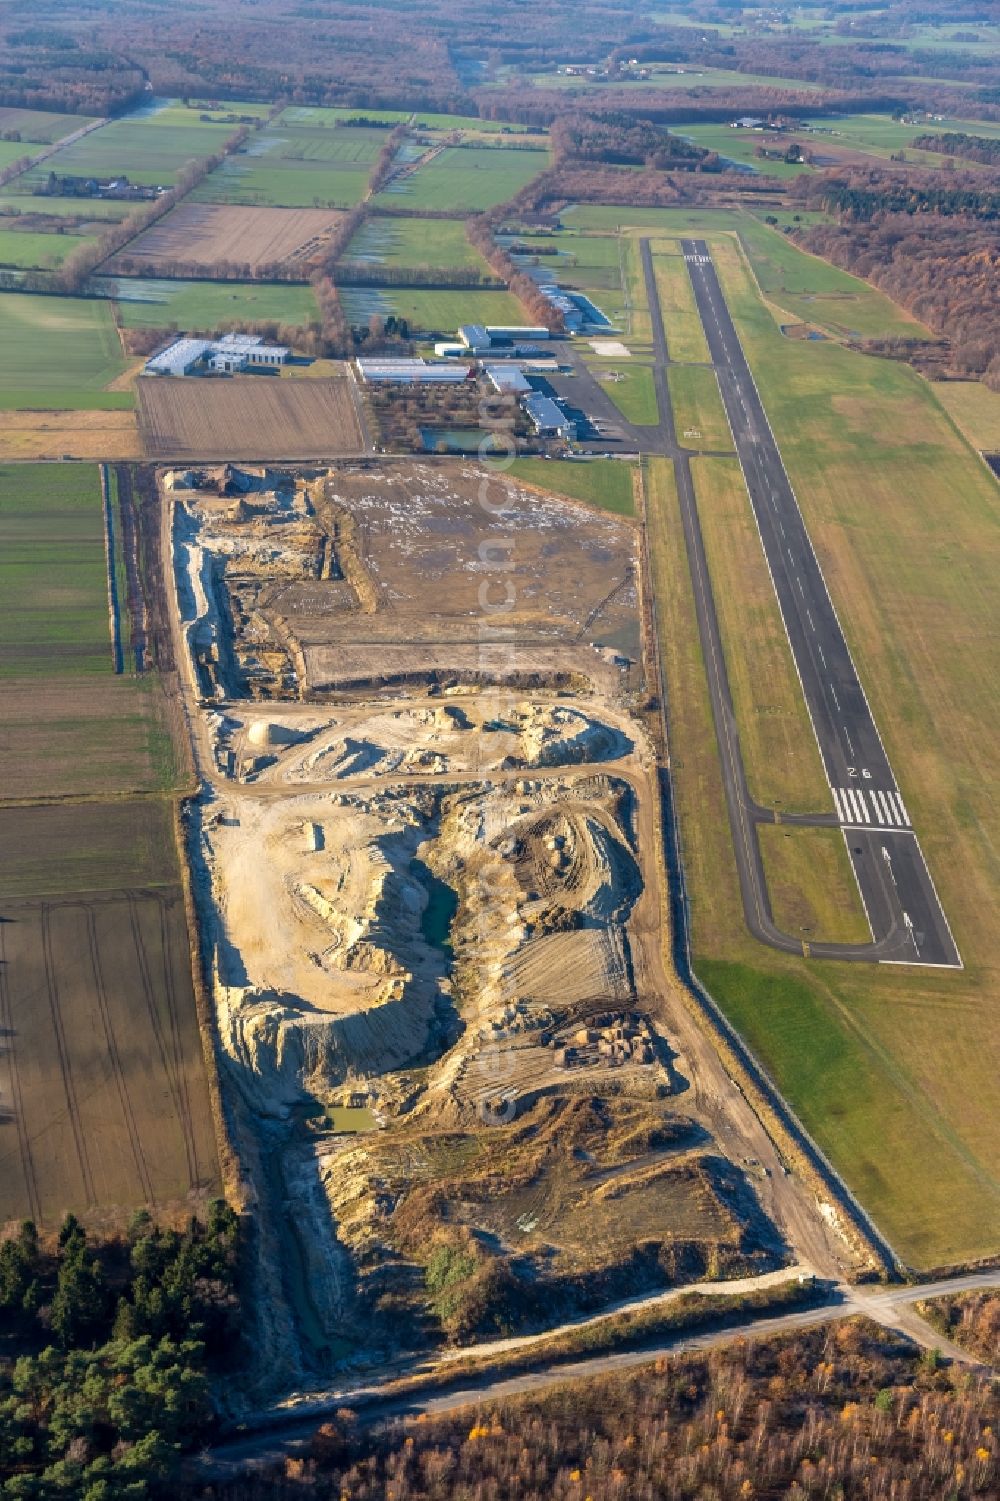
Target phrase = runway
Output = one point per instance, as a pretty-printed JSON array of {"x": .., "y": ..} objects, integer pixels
[{"x": 904, "y": 913}]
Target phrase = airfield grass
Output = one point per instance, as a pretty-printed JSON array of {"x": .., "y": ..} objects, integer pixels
[
  {"x": 437, "y": 312},
  {"x": 893, "y": 1070},
  {"x": 974, "y": 409},
  {"x": 633, "y": 393},
  {"x": 467, "y": 179},
  {"x": 387, "y": 241},
  {"x": 782, "y": 760},
  {"x": 815, "y": 292},
  {"x": 681, "y": 323},
  {"x": 24, "y": 248},
  {"x": 606, "y": 483},
  {"x": 813, "y": 893},
  {"x": 59, "y": 352},
  {"x": 207, "y": 306},
  {"x": 698, "y": 409}
]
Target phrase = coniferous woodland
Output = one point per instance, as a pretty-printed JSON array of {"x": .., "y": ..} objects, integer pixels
[{"x": 109, "y": 1351}]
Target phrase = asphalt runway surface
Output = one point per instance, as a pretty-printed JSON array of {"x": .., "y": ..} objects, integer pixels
[{"x": 904, "y": 913}]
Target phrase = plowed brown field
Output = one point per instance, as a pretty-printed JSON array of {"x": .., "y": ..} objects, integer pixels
[
  {"x": 250, "y": 418},
  {"x": 207, "y": 234}
]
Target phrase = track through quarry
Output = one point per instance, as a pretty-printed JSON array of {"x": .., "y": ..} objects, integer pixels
[{"x": 435, "y": 908}]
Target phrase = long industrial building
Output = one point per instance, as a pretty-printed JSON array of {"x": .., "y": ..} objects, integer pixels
[
  {"x": 411, "y": 372},
  {"x": 228, "y": 355}
]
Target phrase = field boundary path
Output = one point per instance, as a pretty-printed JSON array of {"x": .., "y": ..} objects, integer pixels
[{"x": 54, "y": 146}]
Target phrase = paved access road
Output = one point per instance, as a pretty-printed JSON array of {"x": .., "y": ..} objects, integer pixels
[{"x": 907, "y": 921}]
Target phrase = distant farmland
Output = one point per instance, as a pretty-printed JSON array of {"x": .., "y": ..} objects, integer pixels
[
  {"x": 59, "y": 352},
  {"x": 206, "y": 234},
  {"x": 463, "y": 179},
  {"x": 209, "y": 306}
]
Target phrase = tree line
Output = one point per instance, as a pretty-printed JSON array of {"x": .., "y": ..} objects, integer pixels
[
  {"x": 985, "y": 149},
  {"x": 851, "y": 1411}
]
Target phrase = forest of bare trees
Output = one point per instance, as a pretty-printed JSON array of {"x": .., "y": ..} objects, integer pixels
[{"x": 850, "y": 1412}]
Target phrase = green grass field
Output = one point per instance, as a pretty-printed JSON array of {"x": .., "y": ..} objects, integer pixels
[
  {"x": 284, "y": 184},
  {"x": 58, "y": 352},
  {"x": 207, "y": 306},
  {"x": 13, "y": 151},
  {"x": 431, "y": 312},
  {"x": 14, "y": 201},
  {"x": 894, "y": 1071},
  {"x": 741, "y": 146},
  {"x": 54, "y": 611},
  {"x": 883, "y": 137},
  {"x": 40, "y": 126},
  {"x": 699, "y": 416},
  {"x": 811, "y": 884},
  {"x": 681, "y": 323},
  {"x": 385, "y": 241},
  {"x": 23, "y": 248},
  {"x": 139, "y": 148},
  {"x": 465, "y": 179},
  {"x": 974, "y": 409},
  {"x": 601, "y": 482},
  {"x": 633, "y": 393}
]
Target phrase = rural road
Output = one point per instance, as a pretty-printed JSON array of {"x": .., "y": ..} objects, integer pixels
[
  {"x": 907, "y": 922},
  {"x": 278, "y": 1436}
]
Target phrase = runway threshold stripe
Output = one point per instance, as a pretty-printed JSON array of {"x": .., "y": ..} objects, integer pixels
[
  {"x": 881, "y": 811},
  {"x": 837, "y": 803}
]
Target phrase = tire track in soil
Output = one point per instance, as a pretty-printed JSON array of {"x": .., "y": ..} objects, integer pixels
[
  {"x": 142, "y": 1167},
  {"x": 157, "y": 1025},
  {"x": 17, "y": 1098},
  {"x": 183, "y": 1096},
  {"x": 69, "y": 1087}
]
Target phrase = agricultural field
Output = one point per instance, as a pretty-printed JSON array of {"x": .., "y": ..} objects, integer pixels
[
  {"x": 41, "y": 126},
  {"x": 138, "y": 147},
  {"x": 606, "y": 483},
  {"x": 103, "y": 1073},
  {"x": 59, "y": 353},
  {"x": 23, "y": 248},
  {"x": 894, "y": 1073},
  {"x": 466, "y": 179},
  {"x": 666, "y": 77},
  {"x": 14, "y": 201},
  {"x": 430, "y": 311},
  {"x": 248, "y": 418},
  {"x": 881, "y": 136},
  {"x": 100, "y": 1115},
  {"x": 305, "y": 167},
  {"x": 210, "y": 235},
  {"x": 33, "y": 435},
  {"x": 54, "y": 615},
  {"x": 208, "y": 306},
  {"x": 385, "y": 241}
]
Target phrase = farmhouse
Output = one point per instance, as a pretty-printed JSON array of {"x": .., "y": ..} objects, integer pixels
[
  {"x": 411, "y": 372},
  {"x": 228, "y": 355}
]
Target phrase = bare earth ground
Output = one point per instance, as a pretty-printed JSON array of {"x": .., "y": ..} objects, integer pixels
[
  {"x": 103, "y": 1097},
  {"x": 419, "y": 886},
  {"x": 73, "y": 435},
  {"x": 204, "y": 234},
  {"x": 245, "y": 417}
]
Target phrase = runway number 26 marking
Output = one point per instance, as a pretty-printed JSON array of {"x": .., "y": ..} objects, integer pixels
[{"x": 852, "y": 772}]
